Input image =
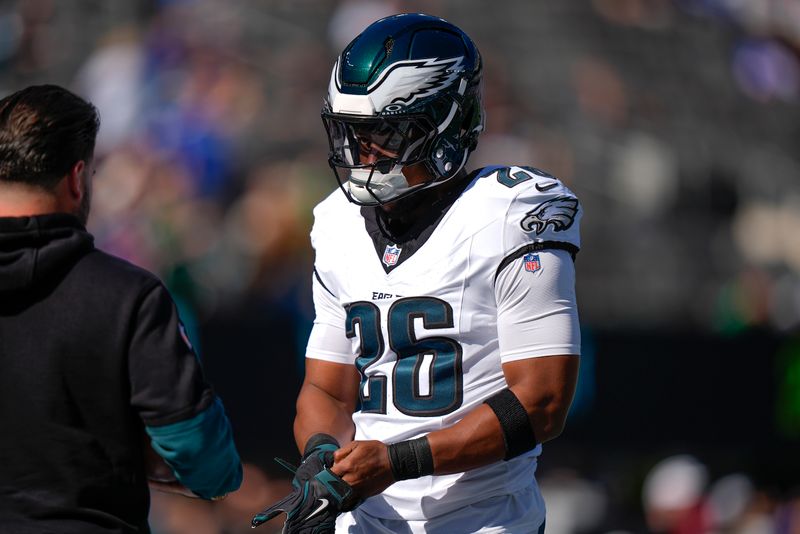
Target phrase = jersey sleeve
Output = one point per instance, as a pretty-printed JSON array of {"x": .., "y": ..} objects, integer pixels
[
  {"x": 328, "y": 340},
  {"x": 537, "y": 313},
  {"x": 185, "y": 420},
  {"x": 167, "y": 382},
  {"x": 535, "y": 279}
]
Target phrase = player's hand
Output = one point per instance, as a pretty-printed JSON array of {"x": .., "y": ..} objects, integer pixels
[
  {"x": 365, "y": 466},
  {"x": 313, "y": 506},
  {"x": 317, "y": 456}
]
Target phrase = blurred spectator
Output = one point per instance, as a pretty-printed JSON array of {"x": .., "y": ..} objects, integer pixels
[
  {"x": 673, "y": 496},
  {"x": 112, "y": 77},
  {"x": 728, "y": 500}
]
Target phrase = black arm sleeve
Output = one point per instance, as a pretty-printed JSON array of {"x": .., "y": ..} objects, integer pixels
[{"x": 166, "y": 379}]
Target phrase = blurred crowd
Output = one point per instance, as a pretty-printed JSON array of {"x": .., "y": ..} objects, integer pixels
[
  {"x": 678, "y": 496},
  {"x": 675, "y": 121}
]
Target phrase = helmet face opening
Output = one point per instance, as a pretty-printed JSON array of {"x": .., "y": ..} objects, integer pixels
[{"x": 379, "y": 142}]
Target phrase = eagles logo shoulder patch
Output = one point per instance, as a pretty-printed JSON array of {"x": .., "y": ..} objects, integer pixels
[{"x": 557, "y": 212}]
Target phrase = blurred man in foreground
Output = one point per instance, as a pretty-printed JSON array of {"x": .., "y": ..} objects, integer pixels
[
  {"x": 446, "y": 340},
  {"x": 94, "y": 362}
]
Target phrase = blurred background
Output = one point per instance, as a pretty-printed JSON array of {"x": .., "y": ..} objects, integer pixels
[{"x": 675, "y": 121}]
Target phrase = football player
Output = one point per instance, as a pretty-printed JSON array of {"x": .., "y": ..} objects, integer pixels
[{"x": 445, "y": 346}]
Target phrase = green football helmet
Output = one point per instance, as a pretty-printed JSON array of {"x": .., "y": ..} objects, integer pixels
[{"x": 406, "y": 91}]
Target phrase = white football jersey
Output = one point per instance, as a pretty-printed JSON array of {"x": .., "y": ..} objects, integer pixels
[{"x": 429, "y": 323}]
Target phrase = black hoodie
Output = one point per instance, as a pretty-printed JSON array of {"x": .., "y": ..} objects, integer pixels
[{"x": 90, "y": 352}]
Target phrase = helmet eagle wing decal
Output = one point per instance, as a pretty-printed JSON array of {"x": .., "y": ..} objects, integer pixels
[{"x": 408, "y": 81}]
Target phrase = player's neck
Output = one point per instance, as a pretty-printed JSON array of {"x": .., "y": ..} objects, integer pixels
[{"x": 400, "y": 216}]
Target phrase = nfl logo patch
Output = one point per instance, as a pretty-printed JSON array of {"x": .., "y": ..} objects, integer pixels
[
  {"x": 391, "y": 255},
  {"x": 532, "y": 263}
]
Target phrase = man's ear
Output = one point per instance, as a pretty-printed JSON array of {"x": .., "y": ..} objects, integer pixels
[{"x": 74, "y": 178}]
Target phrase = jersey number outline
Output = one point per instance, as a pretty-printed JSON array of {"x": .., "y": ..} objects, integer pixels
[
  {"x": 440, "y": 356},
  {"x": 509, "y": 179}
]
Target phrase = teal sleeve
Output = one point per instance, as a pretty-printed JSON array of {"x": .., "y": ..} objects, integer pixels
[{"x": 201, "y": 452}]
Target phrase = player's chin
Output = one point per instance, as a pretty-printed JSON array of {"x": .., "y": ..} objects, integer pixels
[{"x": 405, "y": 203}]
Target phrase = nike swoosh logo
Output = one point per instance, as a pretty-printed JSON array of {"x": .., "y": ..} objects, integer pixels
[
  {"x": 319, "y": 509},
  {"x": 548, "y": 187}
]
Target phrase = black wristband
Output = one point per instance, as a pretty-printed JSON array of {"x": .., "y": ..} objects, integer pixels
[
  {"x": 411, "y": 459},
  {"x": 518, "y": 433},
  {"x": 317, "y": 440}
]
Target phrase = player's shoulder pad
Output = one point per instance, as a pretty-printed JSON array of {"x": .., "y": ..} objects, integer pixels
[
  {"x": 332, "y": 215},
  {"x": 330, "y": 205},
  {"x": 539, "y": 207}
]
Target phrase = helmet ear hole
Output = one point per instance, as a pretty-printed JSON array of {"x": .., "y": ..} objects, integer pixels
[
  {"x": 466, "y": 117},
  {"x": 469, "y": 139},
  {"x": 472, "y": 124}
]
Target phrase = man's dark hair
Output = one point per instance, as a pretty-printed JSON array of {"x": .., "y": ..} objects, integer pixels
[{"x": 44, "y": 131}]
